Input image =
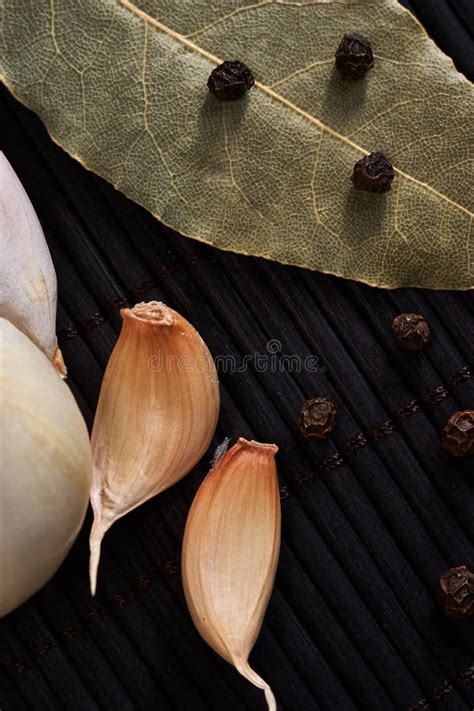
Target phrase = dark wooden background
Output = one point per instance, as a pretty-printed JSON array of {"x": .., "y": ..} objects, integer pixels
[{"x": 370, "y": 518}]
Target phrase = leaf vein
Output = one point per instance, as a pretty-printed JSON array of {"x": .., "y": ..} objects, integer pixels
[
  {"x": 275, "y": 3},
  {"x": 281, "y": 99},
  {"x": 397, "y": 105},
  {"x": 219, "y": 20},
  {"x": 148, "y": 130},
  {"x": 230, "y": 161},
  {"x": 297, "y": 72},
  {"x": 314, "y": 196}
]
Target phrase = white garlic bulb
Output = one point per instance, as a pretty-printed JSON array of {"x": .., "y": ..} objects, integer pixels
[
  {"x": 28, "y": 288},
  {"x": 45, "y": 469}
]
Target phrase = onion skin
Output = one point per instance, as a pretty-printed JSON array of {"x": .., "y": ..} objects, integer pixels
[{"x": 46, "y": 468}]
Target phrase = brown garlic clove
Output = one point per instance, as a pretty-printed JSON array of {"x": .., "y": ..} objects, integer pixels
[
  {"x": 230, "y": 553},
  {"x": 157, "y": 412}
]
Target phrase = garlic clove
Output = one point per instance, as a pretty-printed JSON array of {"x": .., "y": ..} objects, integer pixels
[
  {"x": 45, "y": 473},
  {"x": 230, "y": 553},
  {"x": 28, "y": 288},
  {"x": 157, "y": 412}
]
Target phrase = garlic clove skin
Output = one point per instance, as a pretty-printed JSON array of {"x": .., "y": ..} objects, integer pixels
[
  {"x": 46, "y": 468},
  {"x": 157, "y": 412},
  {"x": 230, "y": 553},
  {"x": 28, "y": 287}
]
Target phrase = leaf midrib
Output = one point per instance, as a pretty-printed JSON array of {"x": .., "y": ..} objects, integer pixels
[{"x": 278, "y": 97}]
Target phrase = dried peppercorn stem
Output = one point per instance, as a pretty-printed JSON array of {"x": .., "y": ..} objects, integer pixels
[{"x": 248, "y": 673}]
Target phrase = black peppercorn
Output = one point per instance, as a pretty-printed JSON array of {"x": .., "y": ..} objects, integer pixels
[
  {"x": 411, "y": 332},
  {"x": 373, "y": 173},
  {"x": 457, "y": 592},
  {"x": 318, "y": 417},
  {"x": 230, "y": 80},
  {"x": 458, "y": 433},
  {"x": 354, "y": 56}
]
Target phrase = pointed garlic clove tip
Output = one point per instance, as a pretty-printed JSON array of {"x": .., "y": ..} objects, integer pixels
[
  {"x": 98, "y": 530},
  {"x": 157, "y": 412},
  {"x": 230, "y": 553},
  {"x": 59, "y": 364},
  {"x": 28, "y": 289},
  {"x": 249, "y": 674},
  {"x": 95, "y": 544}
]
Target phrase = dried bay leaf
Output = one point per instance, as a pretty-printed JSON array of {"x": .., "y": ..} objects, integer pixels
[{"x": 122, "y": 87}]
